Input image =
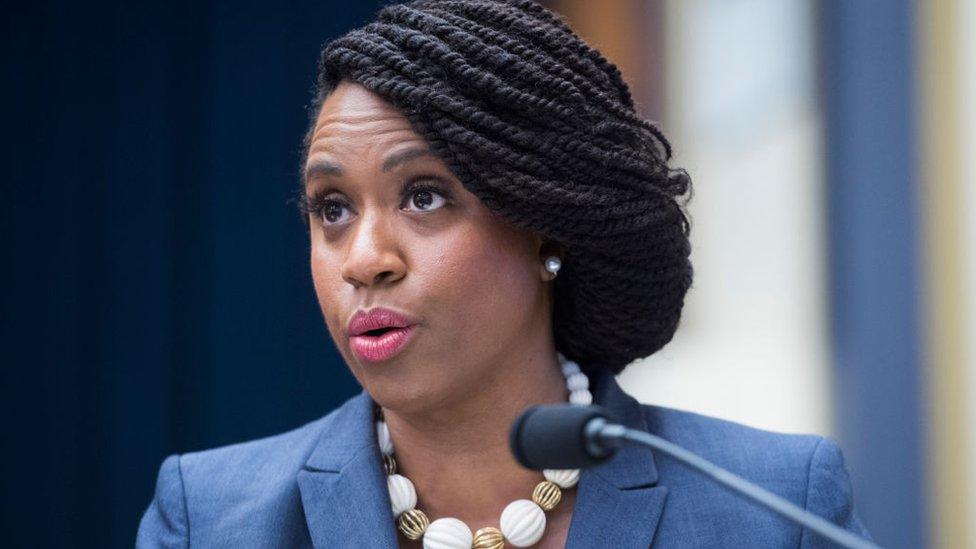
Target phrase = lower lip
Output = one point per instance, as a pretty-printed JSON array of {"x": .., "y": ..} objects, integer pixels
[{"x": 381, "y": 347}]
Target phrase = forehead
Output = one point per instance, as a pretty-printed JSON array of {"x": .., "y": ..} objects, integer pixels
[{"x": 353, "y": 117}]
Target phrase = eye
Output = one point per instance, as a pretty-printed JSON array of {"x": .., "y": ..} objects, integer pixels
[
  {"x": 332, "y": 212},
  {"x": 424, "y": 198}
]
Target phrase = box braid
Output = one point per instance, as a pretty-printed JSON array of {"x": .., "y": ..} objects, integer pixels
[{"x": 542, "y": 128}]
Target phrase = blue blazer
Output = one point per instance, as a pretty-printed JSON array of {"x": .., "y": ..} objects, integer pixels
[{"x": 322, "y": 485}]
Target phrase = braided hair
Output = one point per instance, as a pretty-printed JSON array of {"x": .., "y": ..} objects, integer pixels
[{"x": 542, "y": 129}]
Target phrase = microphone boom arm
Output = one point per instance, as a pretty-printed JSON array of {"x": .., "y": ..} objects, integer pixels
[{"x": 611, "y": 435}]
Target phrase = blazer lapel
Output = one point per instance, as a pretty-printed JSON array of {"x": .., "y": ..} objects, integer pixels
[
  {"x": 346, "y": 503},
  {"x": 618, "y": 503},
  {"x": 343, "y": 486}
]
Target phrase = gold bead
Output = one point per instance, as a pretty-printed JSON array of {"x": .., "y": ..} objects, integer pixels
[
  {"x": 389, "y": 464},
  {"x": 488, "y": 538},
  {"x": 413, "y": 523},
  {"x": 547, "y": 495}
]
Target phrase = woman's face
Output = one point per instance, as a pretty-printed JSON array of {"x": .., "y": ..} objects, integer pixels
[{"x": 391, "y": 227}]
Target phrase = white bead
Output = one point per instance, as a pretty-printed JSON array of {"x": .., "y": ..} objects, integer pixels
[
  {"x": 523, "y": 523},
  {"x": 564, "y": 478},
  {"x": 578, "y": 382},
  {"x": 383, "y": 437},
  {"x": 403, "y": 496},
  {"x": 569, "y": 368},
  {"x": 581, "y": 397},
  {"x": 448, "y": 533}
]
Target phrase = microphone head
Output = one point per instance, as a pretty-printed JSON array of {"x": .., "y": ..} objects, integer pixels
[{"x": 554, "y": 436}]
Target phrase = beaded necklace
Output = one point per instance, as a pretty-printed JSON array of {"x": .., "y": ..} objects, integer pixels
[{"x": 522, "y": 523}]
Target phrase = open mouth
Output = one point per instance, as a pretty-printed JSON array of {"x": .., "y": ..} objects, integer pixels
[
  {"x": 379, "y": 334},
  {"x": 381, "y": 343},
  {"x": 378, "y": 331}
]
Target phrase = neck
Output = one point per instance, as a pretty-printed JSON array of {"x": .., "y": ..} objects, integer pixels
[{"x": 457, "y": 455}]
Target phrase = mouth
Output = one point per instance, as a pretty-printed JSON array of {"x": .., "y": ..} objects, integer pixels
[
  {"x": 379, "y": 334},
  {"x": 382, "y": 343}
]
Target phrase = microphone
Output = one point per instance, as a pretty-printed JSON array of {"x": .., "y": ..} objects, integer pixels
[
  {"x": 559, "y": 437},
  {"x": 570, "y": 436}
]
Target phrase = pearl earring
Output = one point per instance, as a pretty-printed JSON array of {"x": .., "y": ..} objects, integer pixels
[{"x": 553, "y": 264}]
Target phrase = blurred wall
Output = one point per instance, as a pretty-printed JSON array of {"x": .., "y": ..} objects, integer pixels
[
  {"x": 966, "y": 33},
  {"x": 878, "y": 298},
  {"x": 832, "y": 228},
  {"x": 947, "y": 90},
  {"x": 744, "y": 120}
]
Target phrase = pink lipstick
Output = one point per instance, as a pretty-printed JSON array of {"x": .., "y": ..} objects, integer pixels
[{"x": 379, "y": 334}]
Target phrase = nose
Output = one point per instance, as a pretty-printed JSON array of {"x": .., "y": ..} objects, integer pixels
[{"x": 374, "y": 254}]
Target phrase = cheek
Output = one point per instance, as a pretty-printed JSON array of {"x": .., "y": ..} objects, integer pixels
[
  {"x": 328, "y": 288},
  {"x": 482, "y": 284}
]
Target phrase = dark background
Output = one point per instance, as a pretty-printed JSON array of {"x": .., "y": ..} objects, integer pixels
[
  {"x": 156, "y": 291},
  {"x": 154, "y": 280}
]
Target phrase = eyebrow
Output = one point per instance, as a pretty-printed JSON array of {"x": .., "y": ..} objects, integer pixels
[
  {"x": 328, "y": 168},
  {"x": 403, "y": 156}
]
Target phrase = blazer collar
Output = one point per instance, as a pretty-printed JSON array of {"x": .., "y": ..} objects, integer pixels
[
  {"x": 618, "y": 503},
  {"x": 346, "y": 502},
  {"x": 343, "y": 485}
]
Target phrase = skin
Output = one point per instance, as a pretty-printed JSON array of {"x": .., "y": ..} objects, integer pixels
[{"x": 483, "y": 350}]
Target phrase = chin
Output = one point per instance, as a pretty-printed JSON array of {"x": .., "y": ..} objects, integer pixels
[
  {"x": 409, "y": 390},
  {"x": 405, "y": 397},
  {"x": 396, "y": 385}
]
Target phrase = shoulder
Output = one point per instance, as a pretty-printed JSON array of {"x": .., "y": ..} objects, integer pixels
[
  {"x": 269, "y": 458},
  {"x": 740, "y": 448},
  {"x": 806, "y": 469},
  {"x": 250, "y": 485}
]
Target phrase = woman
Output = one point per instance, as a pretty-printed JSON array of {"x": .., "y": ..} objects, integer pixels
[{"x": 488, "y": 216}]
